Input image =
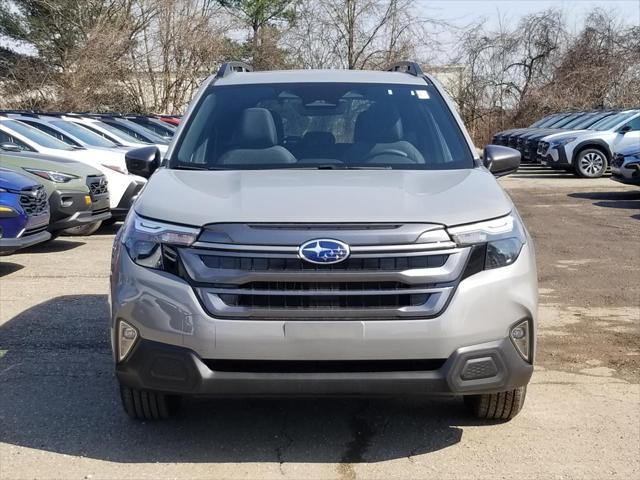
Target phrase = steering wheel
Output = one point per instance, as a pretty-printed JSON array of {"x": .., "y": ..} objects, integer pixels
[{"x": 389, "y": 151}]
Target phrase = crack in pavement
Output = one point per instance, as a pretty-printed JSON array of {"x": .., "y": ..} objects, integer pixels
[
  {"x": 280, "y": 449},
  {"x": 362, "y": 432}
]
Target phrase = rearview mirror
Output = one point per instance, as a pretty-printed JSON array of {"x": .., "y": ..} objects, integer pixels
[
  {"x": 143, "y": 161},
  {"x": 10, "y": 147},
  {"x": 501, "y": 160},
  {"x": 625, "y": 129}
]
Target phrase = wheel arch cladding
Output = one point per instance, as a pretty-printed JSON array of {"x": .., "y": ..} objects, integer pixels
[{"x": 592, "y": 144}]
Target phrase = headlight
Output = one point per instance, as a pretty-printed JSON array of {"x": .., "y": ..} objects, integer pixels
[
  {"x": 149, "y": 243},
  {"x": 116, "y": 168},
  {"x": 503, "y": 237},
  {"x": 562, "y": 141},
  {"x": 57, "y": 177}
]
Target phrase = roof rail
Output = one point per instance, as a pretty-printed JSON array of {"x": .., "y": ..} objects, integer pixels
[
  {"x": 228, "y": 68},
  {"x": 412, "y": 68}
]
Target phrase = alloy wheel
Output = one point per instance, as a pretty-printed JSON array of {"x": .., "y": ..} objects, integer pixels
[{"x": 592, "y": 164}]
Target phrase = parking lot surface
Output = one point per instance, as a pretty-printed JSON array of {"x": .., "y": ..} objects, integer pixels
[{"x": 60, "y": 415}]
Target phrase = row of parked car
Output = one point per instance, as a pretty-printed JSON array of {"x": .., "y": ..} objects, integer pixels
[
  {"x": 585, "y": 143},
  {"x": 65, "y": 173}
]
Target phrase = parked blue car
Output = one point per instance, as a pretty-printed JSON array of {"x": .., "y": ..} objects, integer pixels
[{"x": 24, "y": 212}]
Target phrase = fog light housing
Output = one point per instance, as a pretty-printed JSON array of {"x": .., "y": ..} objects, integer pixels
[
  {"x": 127, "y": 336},
  {"x": 520, "y": 335}
]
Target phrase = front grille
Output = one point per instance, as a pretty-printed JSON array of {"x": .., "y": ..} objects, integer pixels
[
  {"x": 34, "y": 200},
  {"x": 618, "y": 160},
  {"x": 254, "y": 264},
  {"x": 235, "y": 280},
  {"x": 316, "y": 301},
  {"x": 543, "y": 148},
  {"x": 98, "y": 186}
]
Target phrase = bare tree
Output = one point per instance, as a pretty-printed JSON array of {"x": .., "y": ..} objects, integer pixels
[{"x": 181, "y": 44}]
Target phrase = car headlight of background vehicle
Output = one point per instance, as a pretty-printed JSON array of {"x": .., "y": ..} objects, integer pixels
[
  {"x": 561, "y": 142},
  {"x": 57, "y": 177},
  {"x": 503, "y": 237},
  {"x": 150, "y": 243}
]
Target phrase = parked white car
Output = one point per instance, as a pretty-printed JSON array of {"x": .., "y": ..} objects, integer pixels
[
  {"x": 112, "y": 133},
  {"x": 589, "y": 152},
  {"x": 123, "y": 187},
  {"x": 68, "y": 132}
]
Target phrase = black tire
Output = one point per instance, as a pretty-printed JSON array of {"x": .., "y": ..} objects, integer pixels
[
  {"x": 591, "y": 163},
  {"x": 147, "y": 405},
  {"x": 497, "y": 406},
  {"x": 83, "y": 230}
]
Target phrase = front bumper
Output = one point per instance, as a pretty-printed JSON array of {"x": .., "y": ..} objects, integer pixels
[
  {"x": 169, "y": 317},
  {"x": 126, "y": 201},
  {"x": 556, "y": 157},
  {"x": 10, "y": 245},
  {"x": 69, "y": 209},
  {"x": 484, "y": 368},
  {"x": 628, "y": 176}
]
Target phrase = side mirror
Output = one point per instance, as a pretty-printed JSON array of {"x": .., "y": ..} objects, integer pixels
[
  {"x": 143, "y": 161},
  {"x": 10, "y": 147},
  {"x": 625, "y": 129},
  {"x": 501, "y": 160}
]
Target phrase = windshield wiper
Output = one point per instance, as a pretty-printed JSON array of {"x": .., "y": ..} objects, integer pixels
[
  {"x": 386, "y": 167},
  {"x": 330, "y": 166},
  {"x": 189, "y": 167}
]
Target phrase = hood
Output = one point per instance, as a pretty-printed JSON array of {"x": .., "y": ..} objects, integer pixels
[
  {"x": 564, "y": 134},
  {"x": 13, "y": 181},
  {"x": 48, "y": 162},
  {"x": 448, "y": 197},
  {"x": 629, "y": 150}
]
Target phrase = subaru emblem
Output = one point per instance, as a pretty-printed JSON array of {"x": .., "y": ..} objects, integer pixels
[{"x": 324, "y": 251}]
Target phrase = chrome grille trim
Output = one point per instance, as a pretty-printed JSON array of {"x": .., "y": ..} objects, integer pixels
[
  {"x": 433, "y": 306},
  {"x": 201, "y": 273},
  {"x": 238, "y": 272},
  {"x": 354, "y": 249}
]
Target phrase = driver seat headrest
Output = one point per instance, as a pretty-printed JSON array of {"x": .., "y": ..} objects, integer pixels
[
  {"x": 256, "y": 129},
  {"x": 380, "y": 123}
]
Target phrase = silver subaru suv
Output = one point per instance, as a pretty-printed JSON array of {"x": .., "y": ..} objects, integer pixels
[{"x": 323, "y": 233}]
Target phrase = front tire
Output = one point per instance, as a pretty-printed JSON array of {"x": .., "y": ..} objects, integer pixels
[
  {"x": 591, "y": 163},
  {"x": 497, "y": 406},
  {"x": 145, "y": 405}
]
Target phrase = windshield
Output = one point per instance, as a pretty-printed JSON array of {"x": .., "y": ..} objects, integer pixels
[
  {"x": 37, "y": 136},
  {"x": 550, "y": 121},
  {"x": 612, "y": 121},
  {"x": 133, "y": 129},
  {"x": 323, "y": 125},
  {"x": 584, "y": 123},
  {"x": 580, "y": 120},
  {"x": 163, "y": 129},
  {"x": 84, "y": 135},
  {"x": 118, "y": 134}
]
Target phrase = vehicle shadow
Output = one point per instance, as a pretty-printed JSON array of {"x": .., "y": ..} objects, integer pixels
[
  {"x": 59, "y": 394},
  {"x": 624, "y": 200},
  {"x": 108, "y": 229},
  {"x": 7, "y": 268},
  {"x": 52, "y": 246}
]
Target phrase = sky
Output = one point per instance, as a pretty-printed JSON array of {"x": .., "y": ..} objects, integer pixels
[{"x": 461, "y": 12}]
